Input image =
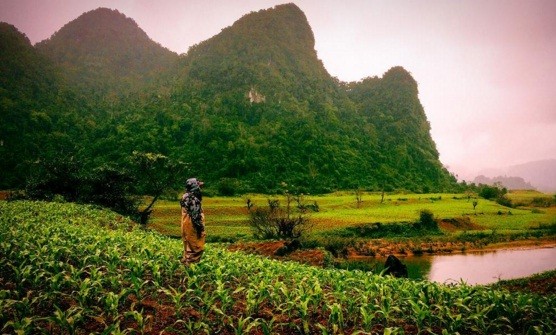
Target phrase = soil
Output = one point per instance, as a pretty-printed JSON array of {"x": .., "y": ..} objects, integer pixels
[
  {"x": 305, "y": 256},
  {"x": 383, "y": 248},
  {"x": 461, "y": 223}
]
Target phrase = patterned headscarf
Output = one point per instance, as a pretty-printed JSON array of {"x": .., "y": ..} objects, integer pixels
[{"x": 191, "y": 202}]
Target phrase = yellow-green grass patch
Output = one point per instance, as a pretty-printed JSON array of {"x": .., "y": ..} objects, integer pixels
[{"x": 228, "y": 216}]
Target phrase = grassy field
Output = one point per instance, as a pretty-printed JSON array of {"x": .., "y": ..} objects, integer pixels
[
  {"x": 74, "y": 269},
  {"x": 227, "y": 217}
]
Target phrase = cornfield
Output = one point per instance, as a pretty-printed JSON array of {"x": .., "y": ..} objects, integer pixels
[{"x": 75, "y": 269}]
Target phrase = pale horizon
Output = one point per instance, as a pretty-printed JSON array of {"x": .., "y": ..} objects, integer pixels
[{"x": 486, "y": 70}]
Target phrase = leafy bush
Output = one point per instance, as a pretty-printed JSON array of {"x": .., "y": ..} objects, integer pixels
[
  {"x": 491, "y": 192},
  {"x": 55, "y": 176},
  {"x": 228, "y": 186},
  {"x": 427, "y": 221},
  {"x": 276, "y": 222},
  {"x": 542, "y": 201},
  {"x": 504, "y": 201},
  {"x": 337, "y": 246}
]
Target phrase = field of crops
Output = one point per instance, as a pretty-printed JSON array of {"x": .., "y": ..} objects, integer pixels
[
  {"x": 71, "y": 269},
  {"x": 227, "y": 217}
]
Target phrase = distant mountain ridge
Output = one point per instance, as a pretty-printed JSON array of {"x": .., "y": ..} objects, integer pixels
[
  {"x": 511, "y": 183},
  {"x": 251, "y": 109},
  {"x": 540, "y": 174}
]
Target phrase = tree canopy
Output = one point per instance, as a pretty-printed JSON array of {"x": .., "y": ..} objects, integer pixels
[{"x": 251, "y": 107}]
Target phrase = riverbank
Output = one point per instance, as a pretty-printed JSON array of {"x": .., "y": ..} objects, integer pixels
[
  {"x": 491, "y": 264},
  {"x": 383, "y": 248},
  {"x": 316, "y": 256},
  {"x": 543, "y": 284}
]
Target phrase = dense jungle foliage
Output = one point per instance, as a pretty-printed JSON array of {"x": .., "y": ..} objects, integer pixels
[{"x": 248, "y": 110}]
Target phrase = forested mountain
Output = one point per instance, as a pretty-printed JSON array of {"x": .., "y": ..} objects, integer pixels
[
  {"x": 251, "y": 108},
  {"x": 27, "y": 92},
  {"x": 406, "y": 153},
  {"x": 103, "y": 53}
]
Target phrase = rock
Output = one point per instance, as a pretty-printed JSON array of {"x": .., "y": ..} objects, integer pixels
[
  {"x": 288, "y": 248},
  {"x": 395, "y": 267}
]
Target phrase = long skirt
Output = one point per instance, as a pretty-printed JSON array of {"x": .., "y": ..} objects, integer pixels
[{"x": 193, "y": 246}]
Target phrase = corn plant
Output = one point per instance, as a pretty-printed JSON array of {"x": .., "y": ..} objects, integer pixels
[
  {"x": 142, "y": 321},
  {"x": 67, "y": 320},
  {"x": 67, "y": 268},
  {"x": 20, "y": 326}
]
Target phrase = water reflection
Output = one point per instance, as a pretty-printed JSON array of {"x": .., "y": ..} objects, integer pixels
[
  {"x": 475, "y": 268},
  {"x": 489, "y": 267}
]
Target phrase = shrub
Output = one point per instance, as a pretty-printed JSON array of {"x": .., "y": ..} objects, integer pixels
[
  {"x": 338, "y": 247},
  {"x": 427, "y": 221},
  {"x": 260, "y": 222},
  {"x": 541, "y": 202},
  {"x": 276, "y": 222},
  {"x": 424, "y": 227},
  {"x": 491, "y": 192},
  {"x": 228, "y": 186},
  {"x": 55, "y": 176},
  {"x": 504, "y": 201}
]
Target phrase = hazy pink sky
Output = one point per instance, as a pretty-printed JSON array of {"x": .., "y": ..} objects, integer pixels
[{"x": 486, "y": 68}]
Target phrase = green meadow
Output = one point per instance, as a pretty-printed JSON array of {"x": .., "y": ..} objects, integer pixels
[{"x": 227, "y": 217}]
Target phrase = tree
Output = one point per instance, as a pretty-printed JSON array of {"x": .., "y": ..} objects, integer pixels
[
  {"x": 359, "y": 197},
  {"x": 55, "y": 176},
  {"x": 427, "y": 221},
  {"x": 65, "y": 177},
  {"x": 156, "y": 173},
  {"x": 492, "y": 192},
  {"x": 110, "y": 187}
]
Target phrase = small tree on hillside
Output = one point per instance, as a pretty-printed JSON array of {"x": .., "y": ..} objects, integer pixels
[
  {"x": 470, "y": 194},
  {"x": 385, "y": 174},
  {"x": 358, "y": 197},
  {"x": 156, "y": 173}
]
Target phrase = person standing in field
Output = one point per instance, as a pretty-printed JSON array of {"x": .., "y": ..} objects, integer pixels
[{"x": 192, "y": 222}]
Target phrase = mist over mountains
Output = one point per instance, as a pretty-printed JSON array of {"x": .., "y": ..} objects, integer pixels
[
  {"x": 540, "y": 174},
  {"x": 249, "y": 109}
]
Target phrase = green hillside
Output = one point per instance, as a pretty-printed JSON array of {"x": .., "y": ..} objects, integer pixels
[
  {"x": 71, "y": 269},
  {"x": 249, "y": 109},
  {"x": 28, "y": 88},
  {"x": 105, "y": 55}
]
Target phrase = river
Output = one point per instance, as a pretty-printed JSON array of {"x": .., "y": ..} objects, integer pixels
[{"x": 477, "y": 268}]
